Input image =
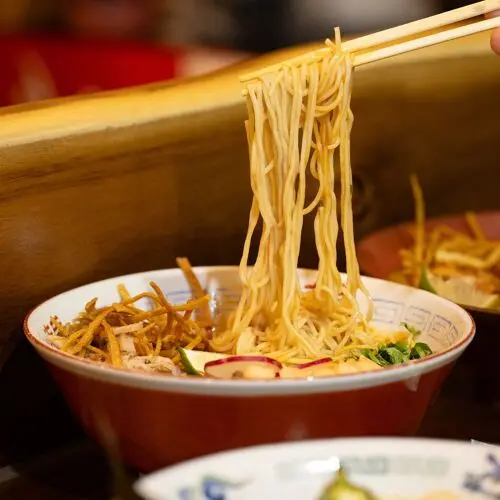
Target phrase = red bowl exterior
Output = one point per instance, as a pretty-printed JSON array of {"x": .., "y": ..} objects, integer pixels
[{"x": 153, "y": 429}]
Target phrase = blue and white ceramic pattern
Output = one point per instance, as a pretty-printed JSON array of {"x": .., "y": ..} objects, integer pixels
[{"x": 402, "y": 469}]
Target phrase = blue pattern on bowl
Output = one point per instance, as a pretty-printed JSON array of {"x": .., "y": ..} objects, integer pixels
[
  {"x": 387, "y": 312},
  {"x": 487, "y": 484}
]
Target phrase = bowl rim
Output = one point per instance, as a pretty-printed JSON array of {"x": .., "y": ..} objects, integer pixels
[
  {"x": 366, "y": 240},
  {"x": 390, "y": 444},
  {"x": 100, "y": 372}
]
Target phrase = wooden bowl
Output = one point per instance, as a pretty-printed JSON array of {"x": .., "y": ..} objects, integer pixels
[
  {"x": 378, "y": 256},
  {"x": 156, "y": 420}
]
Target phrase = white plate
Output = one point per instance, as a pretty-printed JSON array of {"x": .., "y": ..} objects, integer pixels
[{"x": 391, "y": 468}]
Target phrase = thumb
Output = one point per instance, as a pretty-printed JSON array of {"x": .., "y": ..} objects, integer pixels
[
  {"x": 495, "y": 38},
  {"x": 495, "y": 41}
]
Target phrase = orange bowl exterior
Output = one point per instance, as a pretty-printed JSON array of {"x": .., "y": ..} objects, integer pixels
[{"x": 154, "y": 429}]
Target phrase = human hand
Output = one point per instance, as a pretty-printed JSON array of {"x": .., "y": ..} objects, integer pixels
[{"x": 495, "y": 38}]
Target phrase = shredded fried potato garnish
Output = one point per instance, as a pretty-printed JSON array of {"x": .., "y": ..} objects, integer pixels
[{"x": 126, "y": 335}]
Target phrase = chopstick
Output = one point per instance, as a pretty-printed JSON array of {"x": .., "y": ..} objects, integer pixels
[
  {"x": 426, "y": 41},
  {"x": 367, "y": 42},
  {"x": 422, "y": 25}
]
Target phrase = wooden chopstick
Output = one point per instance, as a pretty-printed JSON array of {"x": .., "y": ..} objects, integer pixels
[
  {"x": 421, "y": 26},
  {"x": 364, "y": 43},
  {"x": 426, "y": 41}
]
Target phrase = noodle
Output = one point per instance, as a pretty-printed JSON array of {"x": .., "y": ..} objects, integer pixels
[
  {"x": 299, "y": 127},
  {"x": 298, "y": 131},
  {"x": 474, "y": 226},
  {"x": 419, "y": 226}
]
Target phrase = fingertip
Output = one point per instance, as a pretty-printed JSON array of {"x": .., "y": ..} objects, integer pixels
[
  {"x": 495, "y": 41},
  {"x": 495, "y": 13}
]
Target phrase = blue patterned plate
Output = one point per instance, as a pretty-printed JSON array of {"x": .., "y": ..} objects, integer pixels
[{"x": 393, "y": 469}]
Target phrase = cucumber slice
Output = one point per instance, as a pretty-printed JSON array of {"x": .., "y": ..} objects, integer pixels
[{"x": 194, "y": 361}]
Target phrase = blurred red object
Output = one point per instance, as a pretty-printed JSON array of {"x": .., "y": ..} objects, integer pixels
[
  {"x": 42, "y": 68},
  {"x": 111, "y": 18}
]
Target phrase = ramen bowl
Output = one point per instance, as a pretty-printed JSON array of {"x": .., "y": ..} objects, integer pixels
[
  {"x": 378, "y": 256},
  {"x": 156, "y": 420},
  {"x": 391, "y": 468}
]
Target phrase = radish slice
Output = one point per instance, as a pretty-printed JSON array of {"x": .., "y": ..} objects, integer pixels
[
  {"x": 317, "y": 368},
  {"x": 313, "y": 364},
  {"x": 248, "y": 367}
]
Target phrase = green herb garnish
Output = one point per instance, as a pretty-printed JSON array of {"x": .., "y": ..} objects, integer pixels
[
  {"x": 396, "y": 354},
  {"x": 373, "y": 355},
  {"x": 420, "y": 350},
  {"x": 393, "y": 355}
]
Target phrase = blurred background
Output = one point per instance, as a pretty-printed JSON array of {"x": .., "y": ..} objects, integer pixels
[
  {"x": 63, "y": 47},
  {"x": 54, "y": 48}
]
